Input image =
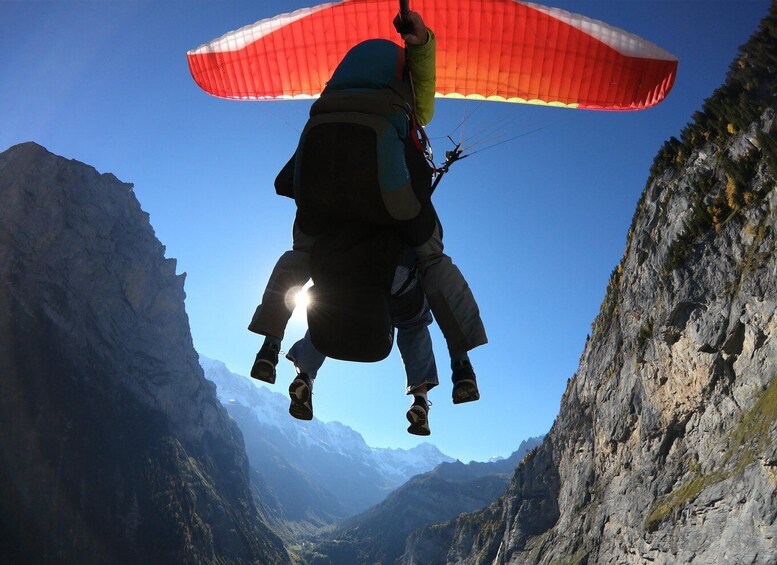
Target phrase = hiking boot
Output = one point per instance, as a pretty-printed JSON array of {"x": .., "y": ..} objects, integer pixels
[
  {"x": 418, "y": 416},
  {"x": 465, "y": 386},
  {"x": 301, "y": 394},
  {"x": 264, "y": 365}
]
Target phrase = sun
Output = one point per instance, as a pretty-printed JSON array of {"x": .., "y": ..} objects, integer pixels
[
  {"x": 298, "y": 300},
  {"x": 302, "y": 298}
]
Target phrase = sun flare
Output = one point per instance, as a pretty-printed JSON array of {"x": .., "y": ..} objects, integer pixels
[
  {"x": 298, "y": 300},
  {"x": 302, "y": 299}
]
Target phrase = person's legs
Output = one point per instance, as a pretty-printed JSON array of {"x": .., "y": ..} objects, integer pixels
[
  {"x": 290, "y": 274},
  {"x": 450, "y": 297},
  {"x": 306, "y": 358},
  {"x": 415, "y": 347},
  {"x": 456, "y": 312},
  {"x": 307, "y": 361},
  {"x": 418, "y": 413}
]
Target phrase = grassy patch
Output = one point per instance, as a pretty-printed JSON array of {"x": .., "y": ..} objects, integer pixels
[
  {"x": 755, "y": 259},
  {"x": 645, "y": 334},
  {"x": 687, "y": 492},
  {"x": 751, "y": 435},
  {"x": 699, "y": 222},
  {"x": 769, "y": 147},
  {"x": 580, "y": 557},
  {"x": 744, "y": 444},
  {"x": 609, "y": 307}
]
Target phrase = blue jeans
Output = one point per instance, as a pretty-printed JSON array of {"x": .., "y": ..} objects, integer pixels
[{"x": 415, "y": 347}]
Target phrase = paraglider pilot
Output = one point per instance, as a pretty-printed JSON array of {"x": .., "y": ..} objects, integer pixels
[{"x": 322, "y": 178}]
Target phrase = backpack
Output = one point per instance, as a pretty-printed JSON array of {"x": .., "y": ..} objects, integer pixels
[{"x": 359, "y": 157}]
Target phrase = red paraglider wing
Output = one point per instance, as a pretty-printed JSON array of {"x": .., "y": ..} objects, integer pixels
[{"x": 488, "y": 49}]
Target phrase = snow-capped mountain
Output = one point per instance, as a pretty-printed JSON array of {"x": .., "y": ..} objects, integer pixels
[{"x": 318, "y": 472}]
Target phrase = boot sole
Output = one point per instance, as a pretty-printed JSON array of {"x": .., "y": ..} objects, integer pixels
[
  {"x": 465, "y": 391},
  {"x": 263, "y": 371},
  {"x": 418, "y": 426},
  {"x": 300, "y": 396}
]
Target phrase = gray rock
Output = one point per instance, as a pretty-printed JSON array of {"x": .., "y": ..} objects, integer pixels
[{"x": 664, "y": 447}]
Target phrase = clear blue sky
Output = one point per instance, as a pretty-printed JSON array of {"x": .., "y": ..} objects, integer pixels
[{"x": 536, "y": 225}]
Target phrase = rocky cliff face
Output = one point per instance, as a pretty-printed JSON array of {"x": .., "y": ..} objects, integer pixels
[
  {"x": 665, "y": 447},
  {"x": 113, "y": 446}
]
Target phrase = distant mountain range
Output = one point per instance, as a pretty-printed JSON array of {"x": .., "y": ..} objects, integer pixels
[
  {"x": 311, "y": 474},
  {"x": 379, "y": 535}
]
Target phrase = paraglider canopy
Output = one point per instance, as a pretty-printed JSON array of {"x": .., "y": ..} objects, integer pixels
[{"x": 502, "y": 50}]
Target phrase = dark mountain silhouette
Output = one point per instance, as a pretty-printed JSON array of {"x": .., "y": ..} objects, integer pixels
[{"x": 113, "y": 446}]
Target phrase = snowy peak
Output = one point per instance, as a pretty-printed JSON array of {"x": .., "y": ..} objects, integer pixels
[
  {"x": 332, "y": 455},
  {"x": 271, "y": 409}
]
